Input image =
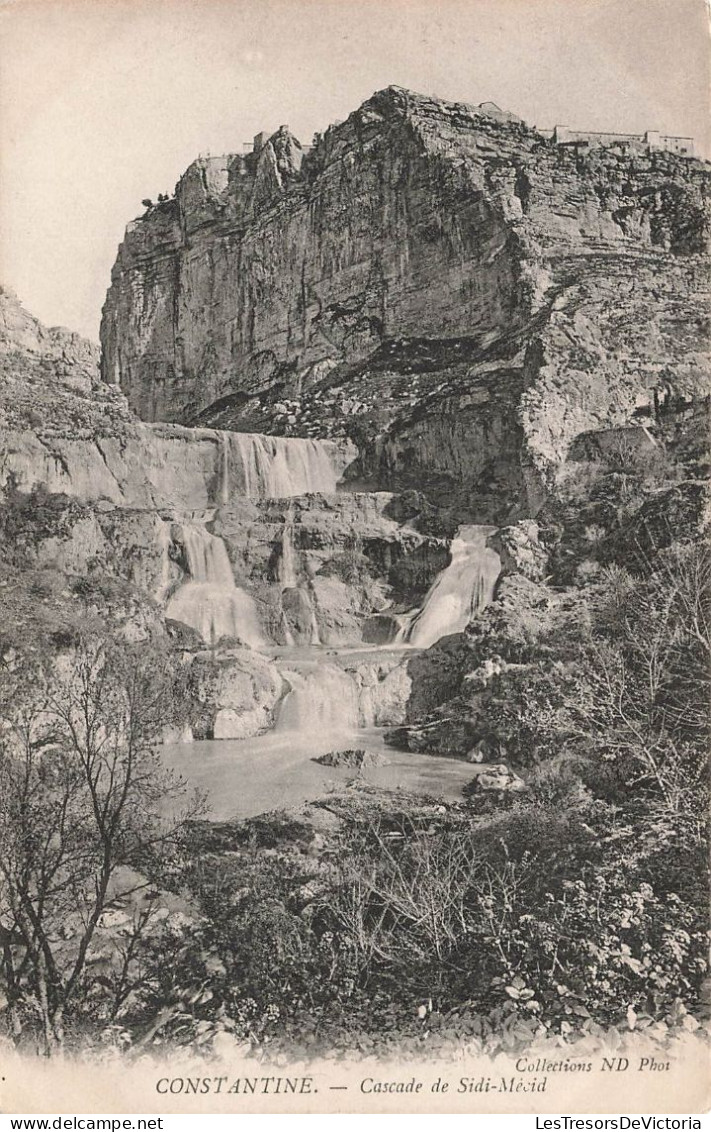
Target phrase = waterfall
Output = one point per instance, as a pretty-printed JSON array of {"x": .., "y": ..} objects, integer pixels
[
  {"x": 166, "y": 574},
  {"x": 288, "y": 635},
  {"x": 287, "y": 562},
  {"x": 287, "y": 570},
  {"x": 276, "y": 467},
  {"x": 224, "y": 470},
  {"x": 211, "y": 602},
  {"x": 324, "y": 700},
  {"x": 460, "y": 592},
  {"x": 315, "y": 636}
]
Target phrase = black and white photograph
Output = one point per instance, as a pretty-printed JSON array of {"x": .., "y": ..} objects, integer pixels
[{"x": 355, "y": 633}]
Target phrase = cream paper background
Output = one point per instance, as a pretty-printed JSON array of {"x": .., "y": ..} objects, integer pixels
[{"x": 36, "y": 1086}]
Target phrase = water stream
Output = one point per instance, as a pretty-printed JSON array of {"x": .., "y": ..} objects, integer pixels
[
  {"x": 323, "y": 701},
  {"x": 459, "y": 593},
  {"x": 246, "y": 777},
  {"x": 287, "y": 563}
]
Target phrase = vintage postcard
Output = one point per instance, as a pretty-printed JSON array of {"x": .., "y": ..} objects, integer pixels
[{"x": 354, "y": 574}]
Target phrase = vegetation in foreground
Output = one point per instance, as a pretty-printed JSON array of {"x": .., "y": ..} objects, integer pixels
[{"x": 370, "y": 923}]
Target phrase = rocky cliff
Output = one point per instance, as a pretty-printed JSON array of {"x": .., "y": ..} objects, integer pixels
[
  {"x": 433, "y": 322},
  {"x": 459, "y": 294},
  {"x": 63, "y": 430},
  {"x": 49, "y": 378}
]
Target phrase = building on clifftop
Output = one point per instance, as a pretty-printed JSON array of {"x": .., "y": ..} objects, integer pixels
[{"x": 651, "y": 140}]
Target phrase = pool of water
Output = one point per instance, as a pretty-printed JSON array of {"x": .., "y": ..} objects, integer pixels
[{"x": 246, "y": 777}]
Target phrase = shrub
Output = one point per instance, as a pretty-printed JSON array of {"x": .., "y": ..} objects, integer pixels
[
  {"x": 350, "y": 566},
  {"x": 82, "y": 795},
  {"x": 594, "y": 948}
]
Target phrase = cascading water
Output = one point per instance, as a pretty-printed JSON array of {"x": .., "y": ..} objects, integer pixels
[
  {"x": 276, "y": 467},
  {"x": 166, "y": 577},
  {"x": 330, "y": 704},
  {"x": 315, "y": 636},
  {"x": 460, "y": 592},
  {"x": 287, "y": 562},
  {"x": 288, "y": 635},
  {"x": 324, "y": 700},
  {"x": 211, "y": 602},
  {"x": 224, "y": 470}
]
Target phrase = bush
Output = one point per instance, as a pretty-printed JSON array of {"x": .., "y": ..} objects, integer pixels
[{"x": 594, "y": 948}]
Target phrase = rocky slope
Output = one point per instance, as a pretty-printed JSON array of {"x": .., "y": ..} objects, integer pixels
[
  {"x": 49, "y": 378},
  {"x": 457, "y": 293}
]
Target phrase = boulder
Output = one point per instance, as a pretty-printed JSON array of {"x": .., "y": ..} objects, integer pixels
[
  {"x": 234, "y": 694},
  {"x": 356, "y": 759},
  {"x": 482, "y": 752},
  {"x": 499, "y": 778},
  {"x": 520, "y": 551}
]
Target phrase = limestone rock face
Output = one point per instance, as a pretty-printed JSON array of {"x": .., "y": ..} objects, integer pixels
[
  {"x": 270, "y": 262},
  {"x": 520, "y": 550},
  {"x": 85, "y": 543},
  {"x": 384, "y": 687},
  {"x": 234, "y": 694},
  {"x": 459, "y": 294},
  {"x": 75, "y": 360},
  {"x": 49, "y": 378},
  {"x": 248, "y": 690},
  {"x": 163, "y": 466},
  {"x": 322, "y": 566}
]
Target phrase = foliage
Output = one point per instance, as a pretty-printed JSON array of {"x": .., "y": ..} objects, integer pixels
[
  {"x": 27, "y": 517},
  {"x": 558, "y": 915},
  {"x": 628, "y": 686},
  {"x": 599, "y": 503},
  {"x": 351, "y": 565}
]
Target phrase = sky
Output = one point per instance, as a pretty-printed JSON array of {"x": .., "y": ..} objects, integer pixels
[{"x": 105, "y": 102}]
